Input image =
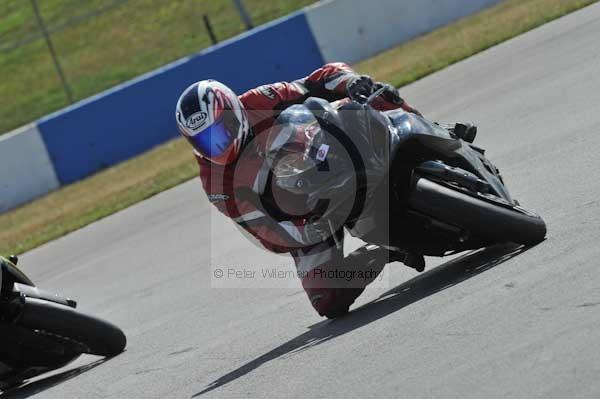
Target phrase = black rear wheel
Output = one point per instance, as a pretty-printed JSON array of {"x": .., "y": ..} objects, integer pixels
[
  {"x": 481, "y": 217},
  {"x": 89, "y": 334}
]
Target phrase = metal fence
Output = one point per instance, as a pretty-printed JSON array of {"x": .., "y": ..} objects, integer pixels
[
  {"x": 45, "y": 31},
  {"x": 55, "y": 52}
]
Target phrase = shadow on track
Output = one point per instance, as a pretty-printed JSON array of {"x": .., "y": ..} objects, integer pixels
[
  {"x": 422, "y": 286},
  {"x": 35, "y": 387}
]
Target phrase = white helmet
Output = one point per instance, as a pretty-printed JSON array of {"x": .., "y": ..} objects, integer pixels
[{"x": 212, "y": 118}]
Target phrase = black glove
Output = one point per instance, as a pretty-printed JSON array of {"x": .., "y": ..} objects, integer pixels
[
  {"x": 360, "y": 86},
  {"x": 390, "y": 94}
]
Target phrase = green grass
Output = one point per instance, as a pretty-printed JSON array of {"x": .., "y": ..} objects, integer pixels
[
  {"x": 116, "y": 188},
  {"x": 125, "y": 41}
]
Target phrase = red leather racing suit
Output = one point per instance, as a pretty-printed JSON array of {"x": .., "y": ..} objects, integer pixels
[{"x": 234, "y": 188}]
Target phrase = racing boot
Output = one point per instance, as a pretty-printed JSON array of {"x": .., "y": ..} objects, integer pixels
[
  {"x": 415, "y": 261},
  {"x": 410, "y": 259}
]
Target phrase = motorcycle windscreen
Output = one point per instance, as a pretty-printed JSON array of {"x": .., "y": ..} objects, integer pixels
[
  {"x": 289, "y": 142},
  {"x": 293, "y": 164}
]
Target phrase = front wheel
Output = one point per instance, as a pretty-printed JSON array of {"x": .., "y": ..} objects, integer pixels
[
  {"x": 90, "y": 334},
  {"x": 480, "y": 217}
]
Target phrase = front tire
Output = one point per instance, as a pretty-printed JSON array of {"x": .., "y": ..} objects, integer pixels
[
  {"x": 93, "y": 335},
  {"x": 481, "y": 218}
]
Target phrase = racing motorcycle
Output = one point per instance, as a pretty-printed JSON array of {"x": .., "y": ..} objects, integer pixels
[
  {"x": 410, "y": 185},
  {"x": 41, "y": 331}
]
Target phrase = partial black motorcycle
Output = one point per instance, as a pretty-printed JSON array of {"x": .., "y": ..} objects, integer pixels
[
  {"x": 403, "y": 182},
  {"x": 41, "y": 331}
]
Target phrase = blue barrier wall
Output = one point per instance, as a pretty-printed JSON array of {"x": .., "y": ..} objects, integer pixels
[{"x": 136, "y": 116}]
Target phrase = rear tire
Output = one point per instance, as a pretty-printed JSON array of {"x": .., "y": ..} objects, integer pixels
[
  {"x": 97, "y": 336},
  {"x": 482, "y": 218}
]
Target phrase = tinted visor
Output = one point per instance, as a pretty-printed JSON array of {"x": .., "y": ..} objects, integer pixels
[{"x": 214, "y": 141}]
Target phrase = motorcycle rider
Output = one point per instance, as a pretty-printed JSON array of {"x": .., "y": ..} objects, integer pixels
[{"x": 228, "y": 136}]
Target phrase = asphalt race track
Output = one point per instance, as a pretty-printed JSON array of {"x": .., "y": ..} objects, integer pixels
[{"x": 499, "y": 323}]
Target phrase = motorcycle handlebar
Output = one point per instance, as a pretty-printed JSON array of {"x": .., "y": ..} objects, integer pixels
[{"x": 362, "y": 99}]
